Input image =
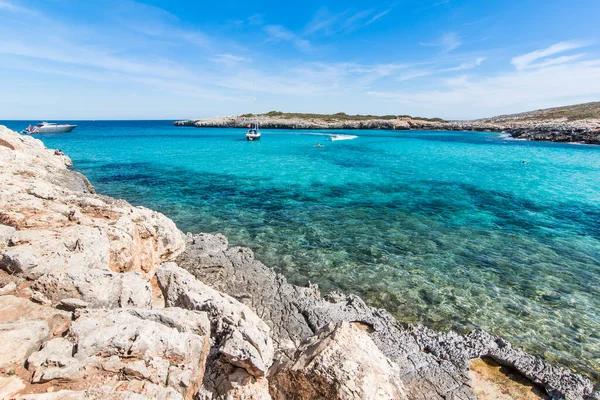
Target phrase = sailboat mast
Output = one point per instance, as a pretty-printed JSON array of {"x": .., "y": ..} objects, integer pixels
[{"x": 254, "y": 106}]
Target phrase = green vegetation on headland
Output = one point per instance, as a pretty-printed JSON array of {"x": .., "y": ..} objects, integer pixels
[
  {"x": 341, "y": 116},
  {"x": 570, "y": 113},
  {"x": 574, "y": 112}
]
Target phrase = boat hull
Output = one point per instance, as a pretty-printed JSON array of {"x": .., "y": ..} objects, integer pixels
[
  {"x": 252, "y": 136},
  {"x": 56, "y": 129}
]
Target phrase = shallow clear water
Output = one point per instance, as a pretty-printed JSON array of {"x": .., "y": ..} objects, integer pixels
[{"x": 448, "y": 229}]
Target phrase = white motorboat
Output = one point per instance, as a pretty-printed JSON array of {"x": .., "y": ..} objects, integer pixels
[
  {"x": 49, "y": 127},
  {"x": 333, "y": 138},
  {"x": 253, "y": 133}
]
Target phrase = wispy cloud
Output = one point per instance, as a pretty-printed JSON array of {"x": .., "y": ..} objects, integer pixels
[
  {"x": 68, "y": 53},
  {"x": 448, "y": 42},
  {"x": 409, "y": 75},
  {"x": 529, "y": 60},
  {"x": 156, "y": 22},
  {"x": 227, "y": 59},
  {"x": 531, "y": 88},
  {"x": 281, "y": 33},
  {"x": 377, "y": 16},
  {"x": 64, "y": 52},
  {"x": 348, "y": 21},
  {"x": 256, "y": 19},
  {"x": 467, "y": 65},
  {"x": 6, "y": 5},
  {"x": 431, "y": 69}
]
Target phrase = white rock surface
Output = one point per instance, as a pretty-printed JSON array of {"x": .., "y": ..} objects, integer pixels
[
  {"x": 242, "y": 337},
  {"x": 9, "y": 288},
  {"x": 161, "y": 353},
  {"x": 19, "y": 339},
  {"x": 5, "y": 233},
  {"x": 10, "y": 386},
  {"x": 98, "y": 288},
  {"x": 341, "y": 362}
]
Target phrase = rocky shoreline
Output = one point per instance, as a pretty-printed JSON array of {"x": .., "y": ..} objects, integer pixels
[
  {"x": 100, "y": 299},
  {"x": 585, "y": 131}
]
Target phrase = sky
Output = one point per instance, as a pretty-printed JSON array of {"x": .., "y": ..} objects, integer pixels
[{"x": 455, "y": 59}]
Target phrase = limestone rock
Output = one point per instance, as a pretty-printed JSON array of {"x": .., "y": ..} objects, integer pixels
[
  {"x": 71, "y": 304},
  {"x": 242, "y": 337},
  {"x": 209, "y": 243},
  {"x": 9, "y": 288},
  {"x": 10, "y": 386},
  {"x": 54, "y": 361},
  {"x": 140, "y": 241},
  {"x": 19, "y": 339},
  {"x": 225, "y": 381},
  {"x": 42, "y": 190},
  {"x": 98, "y": 288},
  {"x": 558, "y": 382},
  {"x": 133, "y": 390},
  {"x": 5, "y": 233},
  {"x": 142, "y": 338},
  {"x": 341, "y": 362},
  {"x": 235, "y": 272},
  {"x": 18, "y": 260},
  {"x": 17, "y": 309},
  {"x": 161, "y": 354},
  {"x": 39, "y": 298},
  {"x": 37, "y": 252}
]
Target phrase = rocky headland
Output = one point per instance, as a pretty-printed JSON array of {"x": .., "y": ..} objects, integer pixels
[
  {"x": 103, "y": 300},
  {"x": 577, "y": 124}
]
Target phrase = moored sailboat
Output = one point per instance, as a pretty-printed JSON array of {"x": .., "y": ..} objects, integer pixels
[{"x": 253, "y": 133}]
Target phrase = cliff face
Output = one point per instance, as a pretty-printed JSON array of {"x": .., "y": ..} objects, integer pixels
[
  {"x": 556, "y": 130},
  {"x": 100, "y": 299}
]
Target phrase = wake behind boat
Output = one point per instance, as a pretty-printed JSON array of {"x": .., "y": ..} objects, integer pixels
[{"x": 49, "y": 127}]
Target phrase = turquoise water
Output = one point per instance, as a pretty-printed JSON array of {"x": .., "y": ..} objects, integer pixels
[{"x": 448, "y": 229}]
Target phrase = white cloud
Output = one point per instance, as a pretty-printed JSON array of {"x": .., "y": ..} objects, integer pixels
[
  {"x": 448, "y": 42},
  {"x": 505, "y": 93},
  {"x": 6, "y": 5},
  {"x": 281, "y": 33},
  {"x": 344, "y": 22},
  {"x": 528, "y": 60},
  {"x": 468, "y": 65},
  {"x": 256, "y": 19},
  {"x": 226, "y": 59},
  {"x": 156, "y": 22},
  {"x": 377, "y": 16},
  {"x": 428, "y": 70},
  {"x": 409, "y": 75},
  {"x": 68, "y": 53}
]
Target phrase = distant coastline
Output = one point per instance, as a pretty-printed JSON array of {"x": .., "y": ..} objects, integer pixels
[{"x": 571, "y": 124}]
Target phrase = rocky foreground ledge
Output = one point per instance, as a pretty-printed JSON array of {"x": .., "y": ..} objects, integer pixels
[
  {"x": 555, "y": 130},
  {"x": 103, "y": 300}
]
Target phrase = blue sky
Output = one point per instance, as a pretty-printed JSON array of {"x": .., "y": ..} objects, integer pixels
[{"x": 456, "y": 59}]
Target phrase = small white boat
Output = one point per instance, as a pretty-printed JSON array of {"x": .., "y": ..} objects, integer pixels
[
  {"x": 253, "y": 133},
  {"x": 49, "y": 127},
  {"x": 342, "y": 137}
]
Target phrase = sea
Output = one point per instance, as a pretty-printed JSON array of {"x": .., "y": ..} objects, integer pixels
[{"x": 453, "y": 230}]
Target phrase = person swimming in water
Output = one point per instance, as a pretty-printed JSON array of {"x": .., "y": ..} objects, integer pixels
[{"x": 319, "y": 145}]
